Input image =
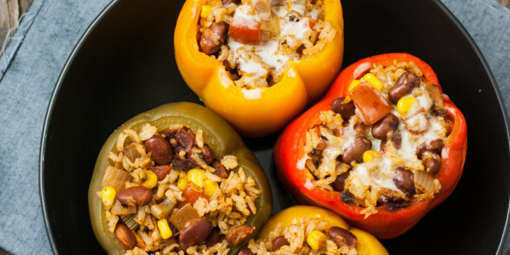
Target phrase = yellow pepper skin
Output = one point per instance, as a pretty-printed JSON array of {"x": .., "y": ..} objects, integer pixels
[
  {"x": 262, "y": 111},
  {"x": 367, "y": 243}
]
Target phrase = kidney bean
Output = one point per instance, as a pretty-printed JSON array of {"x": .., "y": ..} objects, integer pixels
[
  {"x": 160, "y": 149},
  {"x": 220, "y": 170},
  {"x": 356, "y": 150},
  {"x": 345, "y": 110},
  {"x": 339, "y": 183},
  {"x": 161, "y": 171},
  {"x": 207, "y": 155},
  {"x": 385, "y": 127},
  {"x": 183, "y": 247},
  {"x": 195, "y": 231},
  {"x": 404, "y": 180},
  {"x": 432, "y": 164},
  {"x": 397, "y": 141},
  {"x": 342, "y": 237},
  {"x": 279, "y": 242},
  {"x": 239, "y": 234},
  {"x": 245, "y": 251},
  {"x": 436, "y": 145},
  {"x": 217, "y": 30},
  {"x": 213, "y": 238},
  {"x": 403, "y": 86},
  {"x": 126, "y": 238},
  {"x": 134, "y": 196},
  {"x": 359, "y": 128}
]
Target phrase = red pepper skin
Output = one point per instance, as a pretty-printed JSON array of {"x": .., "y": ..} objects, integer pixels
[{"x": 385, "y": 224}]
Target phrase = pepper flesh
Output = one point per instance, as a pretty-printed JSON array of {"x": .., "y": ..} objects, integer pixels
[
  {"x": 261, "y": 111},
  {"x": 384, "y": 224},
  {"x": 367, "y": 243},
  {"x": 218, "y": 135}
]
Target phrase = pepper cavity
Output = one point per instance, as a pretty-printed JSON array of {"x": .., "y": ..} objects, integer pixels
[
  {"x": 403, "y": 132},
  {"x": 184, "y": 176}
]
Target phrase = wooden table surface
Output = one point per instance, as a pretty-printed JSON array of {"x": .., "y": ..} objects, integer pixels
[{"x": 11, "y": 10}]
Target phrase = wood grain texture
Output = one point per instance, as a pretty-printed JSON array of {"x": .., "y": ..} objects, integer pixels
[{"x": 9, "y": 14}]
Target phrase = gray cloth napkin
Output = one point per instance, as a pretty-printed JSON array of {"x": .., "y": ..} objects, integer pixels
[{"x": 33, "y": 62}]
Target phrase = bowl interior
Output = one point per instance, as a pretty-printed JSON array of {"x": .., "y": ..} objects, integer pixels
[{"x": 125, "y": 65}]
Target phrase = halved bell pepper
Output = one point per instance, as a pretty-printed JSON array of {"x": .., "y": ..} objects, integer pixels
[
  {"x": 367, "y": 244},
  {"x": 384, "y": 224},
  {"x": 218, "y": 135},
  {"x": 261, "y": 111}
]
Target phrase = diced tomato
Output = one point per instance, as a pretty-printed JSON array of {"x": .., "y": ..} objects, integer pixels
[
  {"x": 370, "y": 103},
  {"x": 245, "y": 28},
  {"x": 310, "y": 21},
  {"x": 191, "y": 196}
]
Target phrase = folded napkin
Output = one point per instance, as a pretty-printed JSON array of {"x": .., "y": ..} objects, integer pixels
[{"x": 35, "y": 57}]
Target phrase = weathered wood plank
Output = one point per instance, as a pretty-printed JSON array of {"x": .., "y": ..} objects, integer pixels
[
  {"x": 24, "y": 5},
  {"x": 9, "y": 14}
]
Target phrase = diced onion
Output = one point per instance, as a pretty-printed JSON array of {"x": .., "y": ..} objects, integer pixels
[
  {"x": 163, "y": 209},
  {"x": 130, "y": 222},
  {"x": 424, "y": 182},
  {"x": 115, "y": 178},
  {"x": 120, "y": 209}
]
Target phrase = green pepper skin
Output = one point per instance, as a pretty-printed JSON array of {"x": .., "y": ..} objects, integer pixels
[{"x": 217, "y": 133}]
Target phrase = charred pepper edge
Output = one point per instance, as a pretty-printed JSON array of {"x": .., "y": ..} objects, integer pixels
[
  {"x": 231, "y": 143},
  {"x": 300, "y": 83},
  {"x": 367, "y": 243},
  {"x": 293, "y": 138}
]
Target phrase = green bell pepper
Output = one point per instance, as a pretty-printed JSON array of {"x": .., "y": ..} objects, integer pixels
[{"x": 221, "y": 138}]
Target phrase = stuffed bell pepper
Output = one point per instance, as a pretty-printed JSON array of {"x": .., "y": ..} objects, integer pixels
[
  {"x": 312, "y": 230},
  {"x": 177, "y": 178},
  {"x": 382, "y": 148},
  {"x": 259, "y": 63}
]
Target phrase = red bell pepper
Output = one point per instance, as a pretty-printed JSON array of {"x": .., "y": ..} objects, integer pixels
[{"x": 385, "y": 224}]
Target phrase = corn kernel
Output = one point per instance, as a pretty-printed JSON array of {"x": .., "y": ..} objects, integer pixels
[
  {"x": 405, "y": 104},
  {"x": 164, "y": 229},
  {"x": 206, "y": 10},
  {"x": 373, "y": 80},
  {"x": 151, "y": 181},
  {"x": 210, "y": 187},
  {"x": 370, "y": 154},
  {"x": 108, "y": 195},
  {"x": 182, "y": 182},
  {"x": 316, "y": 239},
  {"x": 197, "y": 177},
  {"x": 354, "y": 83}
]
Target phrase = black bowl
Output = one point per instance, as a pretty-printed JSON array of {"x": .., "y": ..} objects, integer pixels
[{"x": 124, "y": 65}]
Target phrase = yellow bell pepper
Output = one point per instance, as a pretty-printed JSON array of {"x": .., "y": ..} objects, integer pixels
[
  {"x": 262, "y": 111},
  {"x": 367, "y": 244}
]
